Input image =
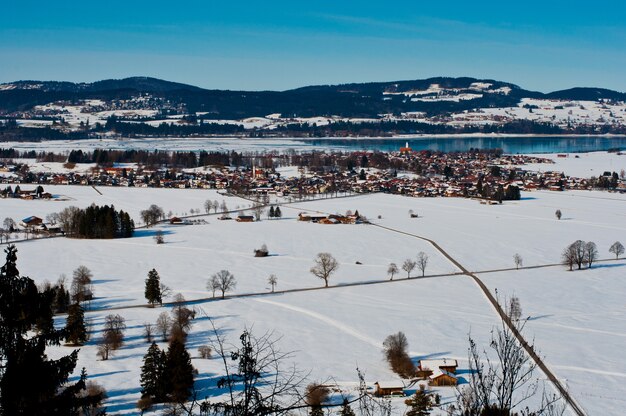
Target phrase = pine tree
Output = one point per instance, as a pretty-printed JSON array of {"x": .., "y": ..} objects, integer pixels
[
  {"x": 272, "y": 213},
  {"x": 179, "y": 372},
  {"x": 278, "y": 213},
  {"x": 346, "y": 410},
  {"x": 30, "y": 383},
  {"x": 75, "y": 325},
  {"x": 419, "y": 405},
  {"x": 153, "y": 288},
  {"x": 153, "y": 374}
]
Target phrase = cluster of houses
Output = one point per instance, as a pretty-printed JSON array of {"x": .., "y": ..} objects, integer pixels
[
  {"x": 432, "y": 174},
  {"x": 441, "y": 372},
  {"x": 349, "y": 218}
]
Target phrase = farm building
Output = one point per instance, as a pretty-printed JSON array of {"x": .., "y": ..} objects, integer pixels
[{"x": 389, "y": 388}]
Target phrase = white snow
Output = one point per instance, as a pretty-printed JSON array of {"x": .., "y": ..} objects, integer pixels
[{"x": 577, "y": 318}]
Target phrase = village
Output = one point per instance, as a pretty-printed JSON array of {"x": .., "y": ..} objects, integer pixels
[{"x": 486, "y": 175}]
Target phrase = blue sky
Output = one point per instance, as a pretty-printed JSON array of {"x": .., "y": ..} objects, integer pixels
[{"x": 541, "y": 45}]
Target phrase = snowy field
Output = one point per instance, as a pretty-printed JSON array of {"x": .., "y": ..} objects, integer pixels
[
  {"x": 578, "y": 320},
  {"x": 332, "y": 331}
]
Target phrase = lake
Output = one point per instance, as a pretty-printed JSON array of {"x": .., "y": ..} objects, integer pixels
[{"x": 511, "y": 145}]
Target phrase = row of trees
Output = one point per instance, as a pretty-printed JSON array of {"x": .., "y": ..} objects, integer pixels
[
  {"x": 409, "y": 265},
  {"x": 95, "y": 222}
]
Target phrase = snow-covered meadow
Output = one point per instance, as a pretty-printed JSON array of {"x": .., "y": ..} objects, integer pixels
[{"x": 332, "y": 331}]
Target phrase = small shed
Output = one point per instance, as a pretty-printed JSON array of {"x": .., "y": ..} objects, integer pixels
[{"x": 389, "y": 388}]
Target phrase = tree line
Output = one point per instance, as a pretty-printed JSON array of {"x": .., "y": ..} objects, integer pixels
[{"x": 95, "y": 222}]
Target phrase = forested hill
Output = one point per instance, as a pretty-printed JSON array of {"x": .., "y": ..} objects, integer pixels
[{"x": 432, "y": 96}]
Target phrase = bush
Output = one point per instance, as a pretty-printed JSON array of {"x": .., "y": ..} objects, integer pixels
[{"x": 262, "y": 252}]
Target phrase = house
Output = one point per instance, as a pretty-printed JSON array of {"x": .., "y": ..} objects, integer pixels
[
  {"x": 443, "y": 364},
  {"x": 442, "y": 378},
  {"x": 389, "y": 388},
  {"x": 439, "y": 372},
  {"x": 245, "y": 218},
  {"x": 31, "y": 222}
]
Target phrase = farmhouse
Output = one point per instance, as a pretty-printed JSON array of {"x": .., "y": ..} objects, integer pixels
[
  {"x": 389, "y": 388},
  {"x": 439, "y": 372},
  {"x": 31, "y": 222}
]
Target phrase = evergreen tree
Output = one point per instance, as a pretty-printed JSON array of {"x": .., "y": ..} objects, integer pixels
[
  {"x": 271, "y": 213},
  {"x": 153, "y": 288},
  {"x": 30, "y": 383},
  {"x": 316, "y": 411},
  {"x": 278, "y": 213},
  {"x": 346, "y": 410},
  {"x": 75, "y": 325},
  {"x": 179, "y": 372},
  {"x": 153, "y": 374},
  {"x": 420, "y": 404}
]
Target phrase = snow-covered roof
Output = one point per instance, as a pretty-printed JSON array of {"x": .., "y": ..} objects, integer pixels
[
  {"x": 437, "y": 364},
  {"x": 390, "y": 384}
]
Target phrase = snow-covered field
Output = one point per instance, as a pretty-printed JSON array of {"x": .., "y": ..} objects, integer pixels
[{"x": 332, "y": 331}]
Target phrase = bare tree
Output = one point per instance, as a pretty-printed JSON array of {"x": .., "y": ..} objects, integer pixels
[
  {"x": 81, "y": 289},
  {"x": 568, "y": 257},
  {"x": 392, "y": 270},
  {"x": 258, "y": 210},
  {"x": 9, "y": 224},
  {"x": 422, "y": 262},
  {"x": 315, "y": 395},
  {"x": 213, "y": 284},
  {"x": 163, "y": 325},
  {"x": 574, "y": 254},
  {"x": 517, "y": 259},
  {"x": 500, "y": 387},
  {"x": 395, "y": 348},
  {"x": 113, "y": 335},
  {"x": 324, "y": 266},
  {"x": 273, "y": 281},
  {"x": 616, "y": 248},
  {"x": 514, "y": 309},
  {"x": 181, "y": 318},
  {"x": 148, "y": 332},
  {"x": 255, "y": 377},
  {"x": 208, "y": 205},
  {"x": 225, "y": 281},
  {"x": 152, "y": 215},
  {"x": 205, "y": 351},
  {"x": 591, "y": 253},
  {"x": 558, "y": 214},
  {"x": 408, "y": 266}
]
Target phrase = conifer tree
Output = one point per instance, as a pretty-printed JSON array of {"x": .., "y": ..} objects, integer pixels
[
  {"x": 179, "y": 372},
  {"x": 346, "y": 410},
  {"x": 420, "y": 404},
  {"x": 153, "y": 374},
  {"x": 30, "y": 383},
  {"x": 75, "y": 325},
  {"x": 278, "y": 213},
  {"x": 272, "y": 213},
  {"x": 153, "y": 288}
]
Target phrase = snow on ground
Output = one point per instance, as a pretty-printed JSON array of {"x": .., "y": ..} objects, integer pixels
[
  {"x": 330, "y": 332},
  {"x": 334, "y": 330},
  {"x": 484, "y": 237},
  {"x": 578, "y": 320},
  {"x": 582, "y": 165}
]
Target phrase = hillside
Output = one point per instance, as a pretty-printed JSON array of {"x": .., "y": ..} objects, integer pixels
[{"x": 142, "y": 106}]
